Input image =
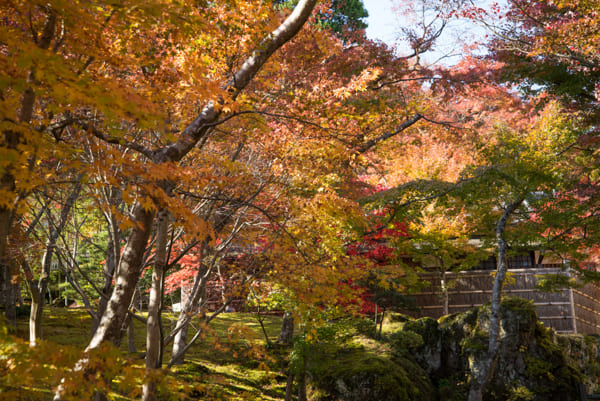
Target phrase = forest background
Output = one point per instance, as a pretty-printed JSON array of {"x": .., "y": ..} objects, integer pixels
[{"x": 270, "y": 146}]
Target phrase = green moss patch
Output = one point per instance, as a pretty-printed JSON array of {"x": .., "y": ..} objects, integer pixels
[{"x": 369, "y": 371}]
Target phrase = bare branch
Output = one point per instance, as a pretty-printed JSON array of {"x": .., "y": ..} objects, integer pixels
[
  {"x": 406, "y": 124},
  {"x": 115, "y": 140}
]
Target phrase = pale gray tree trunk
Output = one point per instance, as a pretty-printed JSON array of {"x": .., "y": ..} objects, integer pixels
[
  {"x": 481, "y": 376},
  {"x": 154, "y": 332},
  {"x": 128, "y": 274},
  {"x": 188, "y": 309},
  {"x": 444, "y": 287},
  {"x": 113, "y": 253},
  {"x": 179, "y": 344},
  {"x": 194, "y": 302}
]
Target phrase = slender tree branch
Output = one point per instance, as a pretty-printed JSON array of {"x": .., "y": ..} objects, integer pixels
[
  {"x": 89, "y": 127},
  {"x": 405, "y": 125}
]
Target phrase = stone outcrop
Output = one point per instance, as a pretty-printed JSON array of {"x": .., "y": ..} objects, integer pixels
[
  {"x": 430, "y": 360},
  {"x": 533, "y": 363},
  {"x": 367, "y": 370}
]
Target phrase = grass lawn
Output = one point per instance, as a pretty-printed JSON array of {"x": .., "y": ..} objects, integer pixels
[{"x": 228, "y": 362}]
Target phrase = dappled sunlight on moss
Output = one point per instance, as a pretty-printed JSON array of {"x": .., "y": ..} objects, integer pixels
[{"x": 229, "y": 363}]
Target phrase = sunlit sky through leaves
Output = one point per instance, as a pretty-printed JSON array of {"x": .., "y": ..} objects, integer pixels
[{"x": 385, "y": 24}]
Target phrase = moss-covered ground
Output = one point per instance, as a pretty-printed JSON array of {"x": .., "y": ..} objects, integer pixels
[
  {"x": 345, "y": 359},
  {"x": 229, "y": 361}
]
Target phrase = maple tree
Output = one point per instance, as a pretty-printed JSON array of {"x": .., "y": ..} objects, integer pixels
[
  {"x": 440, "y": 241},
  {"x": 70, "y": 61},
  {"x": 548, "y": 47},
  {"x": 315, "y": 147},
  {"x": 548, "y": 52},
  {"x": 518, "y": 170},
  {"x": 526, "y": 168},
  {"x": 203, "y": 132}
]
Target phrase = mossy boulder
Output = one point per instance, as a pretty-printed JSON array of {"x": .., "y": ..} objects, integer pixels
[
  {"x": 430, "y": 359},
  {"x": 430, "y": 346},
  {"x": 583, "y": 353},
  {"x": 531, "y": 363},
  {"x": 369, "y": 371}
]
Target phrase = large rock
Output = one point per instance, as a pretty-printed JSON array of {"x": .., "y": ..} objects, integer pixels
[
  {"x": 533, "y": 363},
  {"x": 431, "y": 360},
  {"x": 368, "y": 371}
]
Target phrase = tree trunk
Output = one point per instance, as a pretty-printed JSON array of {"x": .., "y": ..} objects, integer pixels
[
  {"x": 113, "y": 251},
  {"x": 261, "y": 321},
  {"x": 38, "y": 292},
  {"x": 179, "y": 344},
  {"x": 11, "y": 140},
  {"x": 9, "y": 293},
  {"x": 192, "y": 304},
  {"x": 6, "y": 274},
  {"x": 444, "y": 286},
  {"x": 286, "y": 334},
  {"x": 480, "y": 377},
  {"x": 35, "y": 316},
  {"x": 289, "y": 386},
  {"x": 100, "y": 396},
  {"x": 129, "y": 322},
  {"x": 154, "y": 333},
  {"x": 129, "y": 271},
  {"x": 302, "y": 381},
  {"x": 130, "y": 266},
  {"x": 3, "y": 281},
  {"x": 131, "y": 348}
]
